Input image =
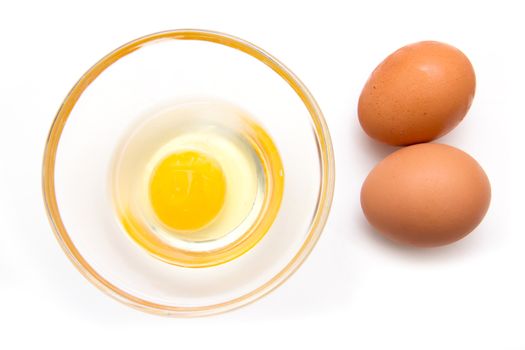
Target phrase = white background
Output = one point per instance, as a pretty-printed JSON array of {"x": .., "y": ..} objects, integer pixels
[{"x": 356, "y": 290}]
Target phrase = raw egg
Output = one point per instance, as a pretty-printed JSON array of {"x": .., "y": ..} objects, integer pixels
[
  {"x": 197, "y": 182},
  {"x": 417, "y": 94},
  {"x": 426, "y": 195}
]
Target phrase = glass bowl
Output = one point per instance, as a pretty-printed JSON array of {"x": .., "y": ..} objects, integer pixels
[{"x": 114, "y": 94}]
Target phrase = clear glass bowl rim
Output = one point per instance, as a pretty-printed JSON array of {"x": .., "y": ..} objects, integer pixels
[{"x": 324, "y": 145}]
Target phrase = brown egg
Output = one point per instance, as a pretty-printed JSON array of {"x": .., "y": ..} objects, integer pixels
[
  {"x": 417, "y": 94},
  {"x": 426, "y": 195}
]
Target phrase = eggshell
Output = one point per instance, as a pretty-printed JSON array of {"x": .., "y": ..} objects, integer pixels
[
  {"x": 426, "y": 195},
  {"x": 417, "y": 94}
]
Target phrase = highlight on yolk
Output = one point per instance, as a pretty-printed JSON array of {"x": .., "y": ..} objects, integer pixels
[{"x": 187, "y": 190}]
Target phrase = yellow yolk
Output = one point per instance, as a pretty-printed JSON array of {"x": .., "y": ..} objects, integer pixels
[{"x": 187, "y": 190}]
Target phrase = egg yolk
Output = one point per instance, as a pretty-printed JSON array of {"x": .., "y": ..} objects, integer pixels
[{"x": 187, "y": 190}]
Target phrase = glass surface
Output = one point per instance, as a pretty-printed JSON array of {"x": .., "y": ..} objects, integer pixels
[{"x": 116, "y": 93}]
